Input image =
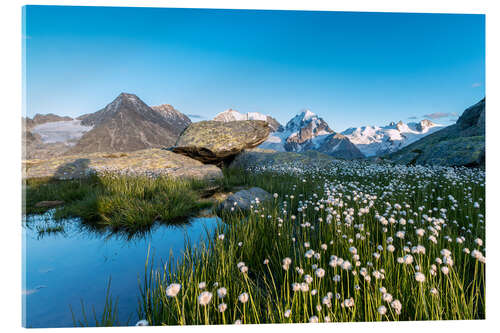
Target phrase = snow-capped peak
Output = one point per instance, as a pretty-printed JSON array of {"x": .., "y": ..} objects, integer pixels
[
  {"x": 233, "y": 115},
  {"x": 307, "y": 114}
]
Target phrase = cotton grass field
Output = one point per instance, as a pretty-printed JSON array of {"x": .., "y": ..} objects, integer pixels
[{"x": 346, "y": 241}]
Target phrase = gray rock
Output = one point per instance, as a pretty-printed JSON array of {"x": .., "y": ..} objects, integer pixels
[
  {"x": 214, "y": 141},
  {"x": 148, "y": 162},
  {"x": 244, "y": 198}
]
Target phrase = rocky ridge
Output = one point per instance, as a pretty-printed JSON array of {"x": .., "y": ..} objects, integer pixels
[{"x": 461, "y": 144}]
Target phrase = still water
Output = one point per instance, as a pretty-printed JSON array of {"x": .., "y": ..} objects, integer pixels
[{"x": 63, "y": 268}]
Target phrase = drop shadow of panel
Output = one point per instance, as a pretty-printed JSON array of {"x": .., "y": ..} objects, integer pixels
[{"x": 77, "y": 169}]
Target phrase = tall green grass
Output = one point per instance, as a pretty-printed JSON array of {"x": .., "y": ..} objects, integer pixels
[
  {"x": 268, "y": 233},
  {"x": 119, "y": 203}
]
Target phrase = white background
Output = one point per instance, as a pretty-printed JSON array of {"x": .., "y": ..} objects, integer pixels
[{"x": 10, "y": 145}]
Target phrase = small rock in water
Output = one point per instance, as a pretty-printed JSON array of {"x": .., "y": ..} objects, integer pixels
[{"x": 243, "y": 199}]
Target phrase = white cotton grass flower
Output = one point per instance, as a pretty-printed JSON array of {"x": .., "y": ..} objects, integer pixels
[
  {"x": 173, "y": 289},
  {"x": 387, "y": 297},
  {"x": 320, "y": 272},
  {"x": 382, "y": 310},
  {"x": 408, "y": 259},
  {"x": 204, "y": 298},
  {"x": 309, "y": 254},
  {"x": 266, "y": 261},
  {"x": 243, "y": 297},
  {"x": 288, "y": 313},
  {"x": 396, "y": 305},
  {"x": 445, "y": 270},
  {"x": 314, "y": 319},
  {"x": 349, "y": 302},
  {"x": 420, "y": 277},
  {"x": 237, "y": 322},
  {"x": 222, "y": 307},
  {"x": 286, "y": 263},
  {"x": 202, "y": 285},
  {"x": 221, "y": 237},
  {"x": 142, "y": 322},
  {"x": 222, "y": 292},
  {"x": 434, "y": 291}
]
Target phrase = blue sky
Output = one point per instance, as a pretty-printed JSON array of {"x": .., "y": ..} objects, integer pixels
[{"x": 352, "y": 69}]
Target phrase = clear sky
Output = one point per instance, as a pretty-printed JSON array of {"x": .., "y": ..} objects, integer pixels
[{"x": 352, "y": 69}]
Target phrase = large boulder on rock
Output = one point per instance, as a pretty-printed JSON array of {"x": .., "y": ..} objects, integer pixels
[
  {"x": 244, "y": 199},
  {"x": 215, "y": 142},
  {"x": 148, "y": 162}
]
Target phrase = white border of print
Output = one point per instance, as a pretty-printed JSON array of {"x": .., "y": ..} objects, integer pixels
[{"x": 10, "y": 20}]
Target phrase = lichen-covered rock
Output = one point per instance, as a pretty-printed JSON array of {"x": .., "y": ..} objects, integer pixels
[
  {"x": 214, "y": 141},
  {"x": 149, "y": 162},
  {"x": 242, "y": 200}
]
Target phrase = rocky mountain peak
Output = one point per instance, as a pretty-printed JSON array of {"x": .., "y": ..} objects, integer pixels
[
  {"x": 309, "y": 122},
  {"x": 425, "y": 124},
  {"x": 234, "y": 115}
]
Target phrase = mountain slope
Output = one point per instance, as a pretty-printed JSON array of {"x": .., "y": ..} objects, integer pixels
[
  {"x": 461, "y": 144},
  {"x": 339, "y": 145},
  {"x": 126, "y": 124},
  {"x": 377, "y": 141},
  {"x": 178, "y": 121}
]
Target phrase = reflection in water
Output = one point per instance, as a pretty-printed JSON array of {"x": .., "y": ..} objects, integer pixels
[{"x": 75, "y": 262}]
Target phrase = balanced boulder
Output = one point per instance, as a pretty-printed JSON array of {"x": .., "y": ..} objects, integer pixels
[{"x": 214, "y": 142}]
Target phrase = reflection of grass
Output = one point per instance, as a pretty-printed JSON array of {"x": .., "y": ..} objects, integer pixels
[
  {"x": 49, "y": 230},
  {"x": 109, "y": 316},
  {"x": 120, "y": 203}
]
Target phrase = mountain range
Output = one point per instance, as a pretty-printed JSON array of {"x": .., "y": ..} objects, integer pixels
[
  {"x": 378, "y": 141},
  {"x": 307, "y": 131},
  {"x": 128, "y": 124}
]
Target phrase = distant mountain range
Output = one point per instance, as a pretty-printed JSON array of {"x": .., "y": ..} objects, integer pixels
[
  {"x": 128, "y": 124},
  {"x": 307, "y": 131},
  {"x": 378, "y": 141}
]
